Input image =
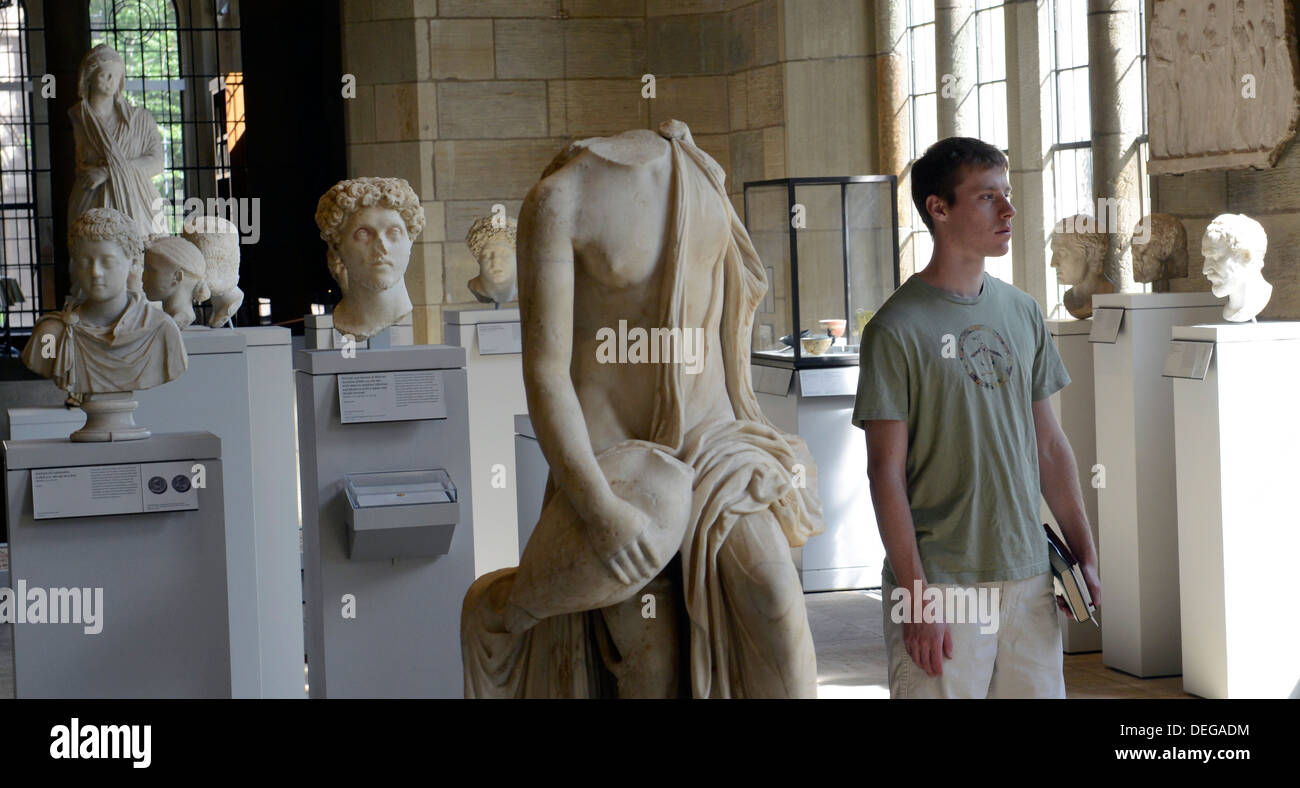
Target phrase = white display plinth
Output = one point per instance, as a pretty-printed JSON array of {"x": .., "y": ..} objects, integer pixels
[
  {"x": 817, "y": 405},
  {"x": 1074, "y": 409},
  {"x": 27, "y": 424},
  {"x": 531, "y": 472},
  {"x": 275, "y": 509},
  {"x": 1238, "y": 445},
  {"x": 496, "y": 394},
  {"x": 1136, "y": 508},
  {"x": 159, "y": 578}
]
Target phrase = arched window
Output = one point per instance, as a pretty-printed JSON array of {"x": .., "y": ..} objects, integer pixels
[{"x": 145, "y": 33}]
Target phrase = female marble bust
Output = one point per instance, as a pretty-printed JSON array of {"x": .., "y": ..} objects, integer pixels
[
  {"x": 369, "y": 226},
  {"x": 175, "y": 274},
  {"x": 108, "y": 341},
  {"x": 118, "y": 147},
  {"x": 492, "y": 242}
]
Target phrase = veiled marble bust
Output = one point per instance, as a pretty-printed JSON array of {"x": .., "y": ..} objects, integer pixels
[
  {"x": 108, "y": 341},
  {"x": 1234, "y": 246},
  {"x": 369, "y": 226},
  {"x": 175, "y": 274},
  {"x": 218, "y": 240},
  {"x": 1078, "y": 255},
  {"x": 492, "y": 242}
]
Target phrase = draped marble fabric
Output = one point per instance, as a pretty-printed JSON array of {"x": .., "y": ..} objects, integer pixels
[
  {"x": 140, "y": 350},
  {"x": 744, "y": 477},
  {"x": 132, "y": 154}
]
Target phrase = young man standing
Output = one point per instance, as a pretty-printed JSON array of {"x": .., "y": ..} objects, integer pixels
[{"x": 955, "y": 373}]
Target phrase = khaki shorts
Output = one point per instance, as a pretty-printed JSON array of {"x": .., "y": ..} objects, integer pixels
[{"x": 1021, "y": 659}]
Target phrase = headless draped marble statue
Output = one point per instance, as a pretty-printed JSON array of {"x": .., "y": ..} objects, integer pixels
[
  {"x": 119, "y": 148},
  {"x": 369, "y": 226},
  {"x": 108, "y": 341},
  {"x": 662, "y": 482}
]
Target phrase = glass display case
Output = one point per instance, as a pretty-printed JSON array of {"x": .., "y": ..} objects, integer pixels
[{"x": 830, "y": 249}]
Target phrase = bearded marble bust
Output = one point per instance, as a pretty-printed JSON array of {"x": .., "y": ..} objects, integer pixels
[
  {"x": 1234, "y": 245},
  {"x": 369, "y": 226},
  {"x": 108, "y": 341},
  {"x": 491, "y": 240}
]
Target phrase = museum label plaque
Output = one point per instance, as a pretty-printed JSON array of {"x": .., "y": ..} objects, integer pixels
[
  {"x": 391, "y": 396},
  {"x": 97, "y": 490}
]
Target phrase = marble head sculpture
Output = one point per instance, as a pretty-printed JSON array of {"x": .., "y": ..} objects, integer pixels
[
  {"x": 118, "y": 147},
  {"x": 491, "y": 240},
  {"x": 175, "y": 274},
  {"x": 108, "y": 341},
  {"x": 369, "y": 226},
  {"x": 1164, "y": 254},
  {"x": 218, "y": 240},
  {"x": 1234, "y": 245},
  {"x": 667, "y": 478},
  {"x": 1078, "y": 255}
]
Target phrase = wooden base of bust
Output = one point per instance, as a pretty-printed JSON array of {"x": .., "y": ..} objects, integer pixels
[{"x": 109, "y": 417}]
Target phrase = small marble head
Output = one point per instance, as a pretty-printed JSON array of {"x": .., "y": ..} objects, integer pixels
[
  {"x": 1163, "y": 255},
  {"x": 1078, "y": 250},
  {"x": 1233, "y": 245},
  {"x": 369, "y": 226},
  {"x": 491, "y": 239},
  {"x": 107, "y": 256}
]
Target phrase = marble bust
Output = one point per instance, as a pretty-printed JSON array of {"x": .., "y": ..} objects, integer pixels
[
  {"x": 118, "y": 147},
  {"x": 108, "y": 341},
  {"x": 369, "y": 226},
  {"x": 492, "y": 242},
  {"x": 1234, "y": 245},
  {"x": 218, "y": 240},
  {"x": 1163, "y": 255},
  {"x": 1078, "y": 255},
  {"x": 175, "y": 274},
  {"x": 663, "y": 485}
]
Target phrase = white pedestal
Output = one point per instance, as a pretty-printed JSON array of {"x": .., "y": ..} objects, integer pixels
[
  {"x": 817, "y": 405},
  {"x": 1137, "y": 512},
  {"x": 531, "y": 472},
  {"x": 161, "y": 574},
  {"x": 1074, "y": 409},
  {"x": 496, "y": 394},
  {"x": 275, "y": 510},
  {"x": 1238, "y": 444},
  {"x": 27, "y": 424}
]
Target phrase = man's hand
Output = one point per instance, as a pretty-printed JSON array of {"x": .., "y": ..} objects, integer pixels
[
  {"x": 1092, "y": 580},
  {"x": 925, "y": 642}
]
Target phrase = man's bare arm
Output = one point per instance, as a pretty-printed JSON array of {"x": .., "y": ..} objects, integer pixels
[
  {"x": 887, "y": 472},
  {"x": 1058, "y": 475}
]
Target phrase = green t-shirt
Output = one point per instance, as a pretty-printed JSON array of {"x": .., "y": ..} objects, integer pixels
[{"x": 963, "y": 373}]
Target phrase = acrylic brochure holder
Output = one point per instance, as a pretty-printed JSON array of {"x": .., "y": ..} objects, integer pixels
[{"x": 400, "y": 514}]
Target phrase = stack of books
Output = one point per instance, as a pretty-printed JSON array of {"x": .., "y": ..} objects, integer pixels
[{"x": 1067, "y": 577}]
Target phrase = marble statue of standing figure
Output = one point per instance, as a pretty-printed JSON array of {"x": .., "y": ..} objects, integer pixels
[
  {"x": 108, "y": 341},
  {"x": 369, "y": 226},
  {"x": 664, "y": 484},
  {"x": 119, "y": 148}
]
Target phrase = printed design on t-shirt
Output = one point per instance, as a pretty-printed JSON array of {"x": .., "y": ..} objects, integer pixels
[{"x": 986, "y": 356}]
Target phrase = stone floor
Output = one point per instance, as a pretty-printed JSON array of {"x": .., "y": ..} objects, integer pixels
[{"x": 846, "y": 628}]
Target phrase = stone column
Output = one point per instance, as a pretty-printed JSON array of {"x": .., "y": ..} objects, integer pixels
[
  {"x": 893, "y": 115},
  {"x": 954, "y": 55},
  {"x": 1028, "y": 68},
  {"x": 1115, "y": 92}
]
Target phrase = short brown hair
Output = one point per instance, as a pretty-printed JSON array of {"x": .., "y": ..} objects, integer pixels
[{"x": 940, "y": 170}]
